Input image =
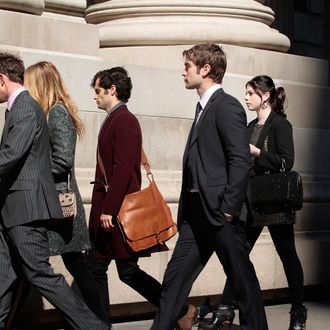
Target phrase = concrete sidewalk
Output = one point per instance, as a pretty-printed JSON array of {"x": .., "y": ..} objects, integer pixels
[{"x": 277, "y": 315}]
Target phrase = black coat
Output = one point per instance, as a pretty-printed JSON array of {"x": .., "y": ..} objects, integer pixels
[{"x": 276, "y": 144}]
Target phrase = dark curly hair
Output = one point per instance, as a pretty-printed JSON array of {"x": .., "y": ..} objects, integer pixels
[
  {"x": 12, "y": 66},
  {"x": 117, "y": 76}
]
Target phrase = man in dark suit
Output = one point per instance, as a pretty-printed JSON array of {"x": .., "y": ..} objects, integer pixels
[
  {"x": 28, "y": 200},
  {"x": 216, "y": 165}
]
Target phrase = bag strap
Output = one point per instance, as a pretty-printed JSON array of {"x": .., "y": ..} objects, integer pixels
[
  {"x": 144, "y": 162},
  {"x": 69, "y": 180},
  {"x": 100, "y": 162}
]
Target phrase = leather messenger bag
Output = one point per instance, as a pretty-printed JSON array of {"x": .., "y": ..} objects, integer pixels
[{"x": 144, "y": 218}]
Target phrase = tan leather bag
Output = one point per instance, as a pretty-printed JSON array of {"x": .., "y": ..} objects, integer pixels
[{"x": 144, "y": 218}]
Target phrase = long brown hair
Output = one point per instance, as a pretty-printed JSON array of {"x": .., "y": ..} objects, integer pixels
[{"x": 46, "y": 86}]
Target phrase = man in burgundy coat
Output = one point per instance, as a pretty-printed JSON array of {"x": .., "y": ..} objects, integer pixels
[{"x": 119, "y": 152}]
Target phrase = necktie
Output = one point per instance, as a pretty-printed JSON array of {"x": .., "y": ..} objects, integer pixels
[
  {"x": 6, "y": 113},
  {"x": 199, "y": 110}
]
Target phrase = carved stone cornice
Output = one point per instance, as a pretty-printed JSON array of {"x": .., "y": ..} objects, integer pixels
[
  {"x": 35, "y": 7},
  {"x": 173, "y": 22}
]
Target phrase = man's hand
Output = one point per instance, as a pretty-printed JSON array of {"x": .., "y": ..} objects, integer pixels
[
  {"x": 106, "y": 222},
  {"x": 228, "y": 217}
]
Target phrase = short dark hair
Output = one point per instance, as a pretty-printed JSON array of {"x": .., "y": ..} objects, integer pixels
[
  {"x": 208, "y": 54},
  {"x": 12, "y": 66},
  {"x": 117, "y": 76}
]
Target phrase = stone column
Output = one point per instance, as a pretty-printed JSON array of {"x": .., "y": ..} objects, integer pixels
[
  {"x": 178, "y": 22},
  {"x": 35, "y": 7},
  {"x": 66, "y": 7}
]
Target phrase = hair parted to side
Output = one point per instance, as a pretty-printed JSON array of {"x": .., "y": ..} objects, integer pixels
[
  {"x": 262, "y": 84},
  {"x": 117, "y": 76},
  {"x": 208, "y": 54},
  {"x": 47, "y": 87},
  {"x": 12, "y": 66}
]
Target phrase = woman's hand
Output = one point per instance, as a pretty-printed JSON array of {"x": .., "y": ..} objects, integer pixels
[
  {"x": 254, "y": 151},
  {"x": 106, "y": 222}
]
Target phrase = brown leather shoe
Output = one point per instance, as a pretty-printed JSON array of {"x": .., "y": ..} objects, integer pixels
[{"x": 188, "y": 320}]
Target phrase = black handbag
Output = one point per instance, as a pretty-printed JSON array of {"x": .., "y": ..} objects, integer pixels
[{"x": 276, "y": 192}]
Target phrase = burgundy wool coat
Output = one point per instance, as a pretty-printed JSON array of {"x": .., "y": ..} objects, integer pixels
[{"x": 119, "y": 145}]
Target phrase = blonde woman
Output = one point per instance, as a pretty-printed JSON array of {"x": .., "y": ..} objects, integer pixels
[{"x": 67, "y": 238}]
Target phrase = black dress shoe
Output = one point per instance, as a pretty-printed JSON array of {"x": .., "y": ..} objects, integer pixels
[
  {"x": 222, "y": 314},
  {"x": 204, "y": 309},
  {"x": 298, "y": 318}
]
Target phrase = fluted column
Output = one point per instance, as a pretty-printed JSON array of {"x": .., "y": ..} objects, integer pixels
[
  {"x": 177, "y": 22},
  {"x": 35, "y": 7}
]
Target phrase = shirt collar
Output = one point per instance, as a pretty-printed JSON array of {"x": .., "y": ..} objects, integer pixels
[
  {"x": 208, "y": 93},
  {"x": 13, "y": 96},
  {"x": 118, "y": 105}
]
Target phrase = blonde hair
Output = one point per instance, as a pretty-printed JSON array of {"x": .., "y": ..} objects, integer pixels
[{"x": 46, "y": 86}]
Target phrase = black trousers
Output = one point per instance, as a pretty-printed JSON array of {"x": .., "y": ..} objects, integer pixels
[
  {"x": 197, "y": 241},
  {"x": 283, "y": 239},
  {"x": 27, "y": 245},
  {"x": 78, "y": 266},
  {"x": 130, "y": 273}
]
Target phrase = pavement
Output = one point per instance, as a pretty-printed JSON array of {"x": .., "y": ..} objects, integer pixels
[{"x": 278, "y": 318}]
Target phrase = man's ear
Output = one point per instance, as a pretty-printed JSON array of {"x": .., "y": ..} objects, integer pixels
[
  {"x": 113, "y": 90},
  {"x": 205, "y": 70}
]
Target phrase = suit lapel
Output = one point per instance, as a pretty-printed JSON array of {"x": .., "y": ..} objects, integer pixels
[
  {"x": 185, "y": 154},
  {"x": 195, "y": 129},
  {"x": 9, "y": 115}
]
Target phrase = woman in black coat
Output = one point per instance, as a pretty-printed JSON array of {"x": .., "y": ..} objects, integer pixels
[{"x": 271, "y": 148}]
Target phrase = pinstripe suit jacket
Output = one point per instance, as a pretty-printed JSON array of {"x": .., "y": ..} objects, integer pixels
[{"x": 27, "y": 188}]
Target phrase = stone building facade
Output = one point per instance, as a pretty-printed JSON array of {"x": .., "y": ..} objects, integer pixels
[{"x": 288, "y": 40}]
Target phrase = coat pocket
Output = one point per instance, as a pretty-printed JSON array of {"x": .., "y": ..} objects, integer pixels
[{"x": 217, "y": 181}]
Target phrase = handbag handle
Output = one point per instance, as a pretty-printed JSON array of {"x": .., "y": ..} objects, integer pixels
[
  {"x": 144, "y": 162},
  {"x": 69, "y": 180}
]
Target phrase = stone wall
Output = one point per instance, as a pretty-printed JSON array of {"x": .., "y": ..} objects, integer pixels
[{"x": 165, "y": 111}]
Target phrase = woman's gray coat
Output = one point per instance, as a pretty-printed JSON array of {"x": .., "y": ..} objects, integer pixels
[{"x": 65, "y": 235}]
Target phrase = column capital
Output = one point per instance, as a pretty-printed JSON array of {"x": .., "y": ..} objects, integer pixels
[
  {"x": 35, "y": 7},
  {"x": 175, "y": 22}
]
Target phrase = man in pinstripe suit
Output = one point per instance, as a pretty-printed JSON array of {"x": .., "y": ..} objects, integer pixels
[{"x": 28, "y": 200}]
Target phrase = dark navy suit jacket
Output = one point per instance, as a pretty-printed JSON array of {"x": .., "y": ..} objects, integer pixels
[{"x": 221, "y": 159}]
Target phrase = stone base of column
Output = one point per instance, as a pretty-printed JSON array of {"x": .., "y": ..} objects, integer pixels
[
  {"x": 35, "y": 7},
  {"x": 48, "y": 33},
  {"x": 163, "y": 22}
]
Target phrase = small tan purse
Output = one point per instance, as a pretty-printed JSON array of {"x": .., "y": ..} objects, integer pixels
[{"x": 68, "y": 202}]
